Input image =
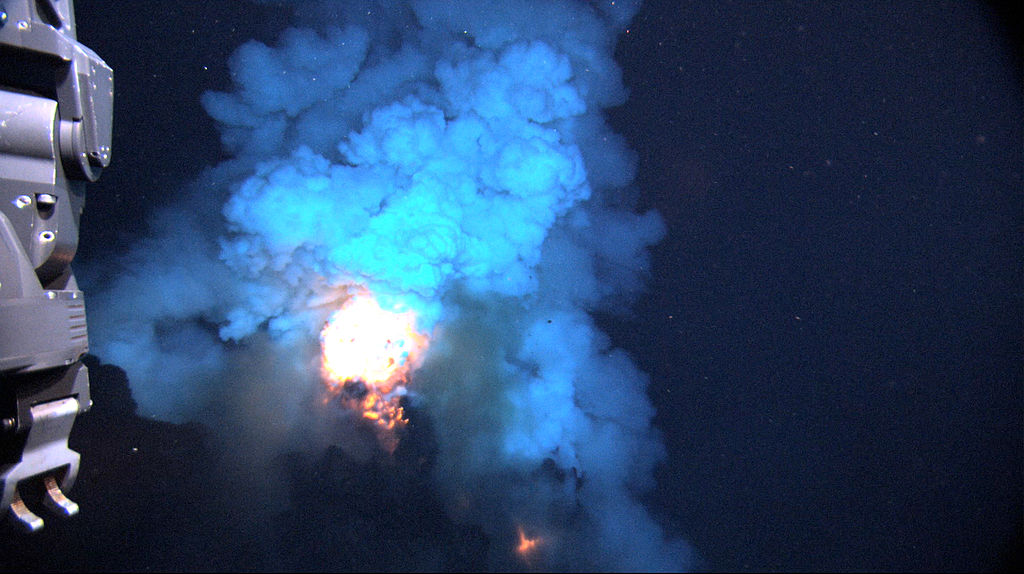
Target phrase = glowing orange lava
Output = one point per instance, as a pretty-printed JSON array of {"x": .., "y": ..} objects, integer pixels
[
  {"x": 526, "y": 544},
  {"x": 367, "y": 353}
]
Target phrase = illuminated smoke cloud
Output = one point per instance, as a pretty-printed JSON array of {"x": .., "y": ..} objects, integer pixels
[{"x": 450, "y": 157}]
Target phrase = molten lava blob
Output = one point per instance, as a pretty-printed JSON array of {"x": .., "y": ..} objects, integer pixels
[
  {"x": 527, "y": 546},
  {"x": 367, "y": 354}
]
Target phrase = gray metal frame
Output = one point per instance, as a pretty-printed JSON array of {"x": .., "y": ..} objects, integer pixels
[{"x": 56, "y": 104}]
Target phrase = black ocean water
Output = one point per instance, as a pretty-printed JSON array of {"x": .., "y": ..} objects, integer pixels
[{"x": 832, "y": 324}]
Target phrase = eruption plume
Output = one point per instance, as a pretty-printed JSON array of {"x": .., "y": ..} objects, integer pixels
[{"x": 423, "y": 203}]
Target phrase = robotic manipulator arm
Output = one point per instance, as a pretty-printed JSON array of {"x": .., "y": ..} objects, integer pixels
[{"x": 56, "y": 103}]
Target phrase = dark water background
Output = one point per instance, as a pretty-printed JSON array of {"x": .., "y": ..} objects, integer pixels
[{"x": 833, "y": 327}]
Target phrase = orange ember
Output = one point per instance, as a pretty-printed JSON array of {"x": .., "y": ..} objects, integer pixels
[
  {"x": 526, "y": 544},
  {"x": 367, "y": 353}
]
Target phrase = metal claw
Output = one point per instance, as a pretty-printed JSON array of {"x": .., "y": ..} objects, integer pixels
[
  {"x": 55, "y": 500},
  {"x": 23, "y": 516}
]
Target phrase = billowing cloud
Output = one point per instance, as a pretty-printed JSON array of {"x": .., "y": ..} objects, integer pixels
[{"x": 451, "y": 159}]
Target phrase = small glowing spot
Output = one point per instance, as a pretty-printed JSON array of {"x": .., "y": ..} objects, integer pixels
[{"x": 526, "y": 545}]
